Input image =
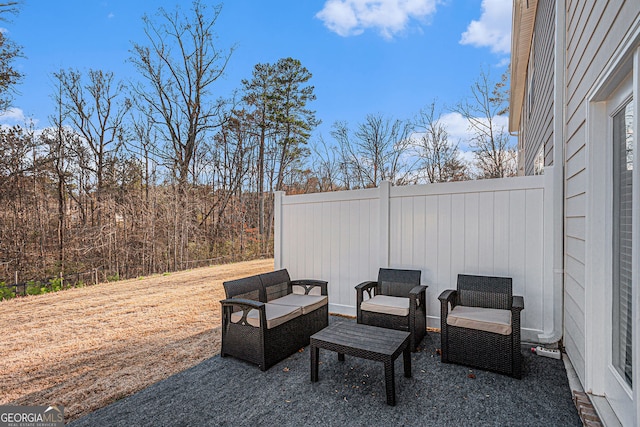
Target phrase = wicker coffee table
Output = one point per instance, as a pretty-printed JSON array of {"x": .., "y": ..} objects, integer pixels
[{"x": 367, "y": 342}]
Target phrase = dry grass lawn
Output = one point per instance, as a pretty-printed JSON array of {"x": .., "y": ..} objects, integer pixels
[{"x": 85, "y": 348}]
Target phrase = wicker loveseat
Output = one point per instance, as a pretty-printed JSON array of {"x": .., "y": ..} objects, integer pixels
[
  {"x": 268, "y": 317},
  {"x": 480, "y": 324}
]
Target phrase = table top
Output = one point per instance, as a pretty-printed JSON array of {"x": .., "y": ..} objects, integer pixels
[{"x": 362, "y": 337}]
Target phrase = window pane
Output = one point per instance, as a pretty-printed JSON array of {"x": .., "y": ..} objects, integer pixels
[{"x": 622, "y": 227}]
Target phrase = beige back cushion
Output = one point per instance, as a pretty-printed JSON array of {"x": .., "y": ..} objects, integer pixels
[{"x": 307, "y": 303}]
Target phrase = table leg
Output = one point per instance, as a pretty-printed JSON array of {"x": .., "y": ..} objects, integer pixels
[
  {"x": 315, "y": 353},
  {"x": 406, "y": 355},
  {"x": 390, "y": 383}
]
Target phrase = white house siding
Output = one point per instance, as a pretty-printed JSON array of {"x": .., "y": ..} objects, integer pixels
[
  {"x": 537, "y": 123},
  {"x": 594, "y": 30},
  {"x": 473, "y": 227}
]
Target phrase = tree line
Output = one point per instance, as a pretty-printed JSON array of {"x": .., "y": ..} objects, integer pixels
[{"x": 150, "y": 175}]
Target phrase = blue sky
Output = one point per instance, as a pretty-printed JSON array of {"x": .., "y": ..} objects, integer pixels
[{"x": 390, "y": 57}]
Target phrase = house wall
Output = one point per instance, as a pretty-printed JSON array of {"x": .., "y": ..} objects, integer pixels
[
  {"x": 473, "y": 227},
  {"x": 594, "y": 30},
  {"x": 537, "y": 121}
]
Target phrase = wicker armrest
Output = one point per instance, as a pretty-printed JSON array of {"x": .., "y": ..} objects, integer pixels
[
  {"x": 418, "y": 293},
  {"x": 517, "y": 303},
  {"x": 309, "y": 284},
  {"x": 365, "y": 287},
  {"x": 246, "y": 305},
  {"x": 448, "y": 295},
  {"x": 242, "y": 302},
  {"x": 417, "y": 290}
]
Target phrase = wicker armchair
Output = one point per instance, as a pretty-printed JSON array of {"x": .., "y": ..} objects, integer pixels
[
  {"x": 482, "y": 329},
  {"x": 395, "y": 301}
]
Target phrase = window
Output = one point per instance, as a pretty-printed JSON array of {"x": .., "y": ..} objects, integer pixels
[
  {"x": 622, "y": 239},
  {"x": 538, "y": 162}
]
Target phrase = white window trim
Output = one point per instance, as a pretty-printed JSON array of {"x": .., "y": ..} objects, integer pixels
[
  {"x": 635, "y": 316},
  {"x": 598, "y": 223}
]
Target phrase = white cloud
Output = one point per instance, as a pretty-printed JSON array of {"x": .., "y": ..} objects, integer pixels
[
  {"x": 15, "y": 116},
  {"x": 502, "y": 122},
  {"x": 459, "y": 132},
  {"x": 493, "y": 30},
  {"x": 111, "y": 15},
  {"x": 458, "y": 128},
  {"x": 504, "y": 62},
  {"x": 389, "y": 17},
  {"x": 12, "y": 115}
]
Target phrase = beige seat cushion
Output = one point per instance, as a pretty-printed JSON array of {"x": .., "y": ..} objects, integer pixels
[
  {"x": 481, "y": 319},
  {"x": 276, "y": 315},
  {"x": 397, "y": 306},
  {"x": 308, "y": 303}
]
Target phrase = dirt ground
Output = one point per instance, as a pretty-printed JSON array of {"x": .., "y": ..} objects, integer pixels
[{"x": 85, "y": 348}]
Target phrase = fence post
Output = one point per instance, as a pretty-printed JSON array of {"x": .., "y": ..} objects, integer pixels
[
  {"x": 385, "y": 192},
  {"x": 277, "y": 229}
]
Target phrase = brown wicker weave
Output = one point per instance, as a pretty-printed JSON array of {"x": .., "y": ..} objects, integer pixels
[
  {"x": 480, "y": 349},
  {"x": 399, "y": 283},
  {"x": 267, "y": 346}
]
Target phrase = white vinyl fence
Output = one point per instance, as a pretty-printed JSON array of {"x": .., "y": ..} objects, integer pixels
[{"x": 490, "y": 227}]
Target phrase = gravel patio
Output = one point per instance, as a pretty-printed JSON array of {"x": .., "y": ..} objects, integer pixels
[{"x": 227, "y": 391}]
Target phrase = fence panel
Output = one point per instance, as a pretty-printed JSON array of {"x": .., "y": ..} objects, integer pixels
[{"x": 491, "y": 227}]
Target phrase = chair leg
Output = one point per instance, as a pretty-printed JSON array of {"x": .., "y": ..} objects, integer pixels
[{"x": 517, "y": 363}]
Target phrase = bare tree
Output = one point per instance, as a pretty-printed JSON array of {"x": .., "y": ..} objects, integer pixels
[
  {"x": 440, "y": 158},
  {"x": 234, "y": 144},
  {"x": 95, "y": 108},
  {"x": 378, "y": 150},
  {"x": 9, "y": 51},
  {"x": 326, "y": 166},
  {"x": 19, "y": 226},
  {"x": 494, "y": 151},
  {"x": 179, "y": 66},
  {"x": 144, "y": 144},
  {"x": 57, "y": 141}
]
